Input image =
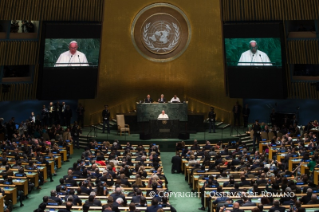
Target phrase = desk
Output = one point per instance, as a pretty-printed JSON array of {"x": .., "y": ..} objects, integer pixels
[
  {"x": 1, "y": 203},
  {"x": 281, "y": 156},
  {"x": 164, "y": 128},
  {"x": 272, "y": 152},
  {"x": 292, "y": 163},
  {"x": 21, "y": 183},
  {"x": 63, "y": 153},
  {"x": 146, "y": 111},
  {"x": 262, "y": 146},
  {"x": 10, "y": 192},
  {"x": 315, "y": 176}
]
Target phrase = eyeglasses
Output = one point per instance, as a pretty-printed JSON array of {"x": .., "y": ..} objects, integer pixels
[{"x": 73, "y": 47}]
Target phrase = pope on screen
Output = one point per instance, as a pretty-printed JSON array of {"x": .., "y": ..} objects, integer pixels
[
  {"x": 73, "y": 57},
  {"x": 254, "y": 57}
]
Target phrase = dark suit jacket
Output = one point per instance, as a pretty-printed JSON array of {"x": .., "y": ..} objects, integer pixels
[
  {"x": 63, "y": 210},
  {"x": 237, "y": 210},
  {"x": 160, "y": 100},
  {"x": 249, "y": 204},
  {"x": 96, "y": 202},
  {"x": 56, "y": 199},
  {"x": 148, "y": 100},
  {"x": 235, "y": 162},
  {"x": 261, "y": 182},
  {"x": 152, "y": 208},
  {"x": 273, "y": 209},
  {"x": 246, "y": 182},
  {"x": 313, "y": 202},
  {"x": 86, "y": 190},
  {"x": 136, "y": 199},
  {"x": 115, "y": 196},
  {"x": 306, "y": 199}
]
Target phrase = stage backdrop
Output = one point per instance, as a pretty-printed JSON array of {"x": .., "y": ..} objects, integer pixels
[{"x": 125, "y": 76}]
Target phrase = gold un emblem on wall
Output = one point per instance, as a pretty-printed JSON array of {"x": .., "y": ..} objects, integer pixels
[{"x": 161, "y": 32}]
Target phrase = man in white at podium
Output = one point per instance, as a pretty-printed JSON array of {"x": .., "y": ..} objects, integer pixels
[
  {"x": 254, "y": 57},
  {"x": 73, "y": 57},
  {"x": 163, "y": 115}
]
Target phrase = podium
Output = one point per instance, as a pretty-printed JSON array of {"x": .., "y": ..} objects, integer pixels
[
  {"x": 164, "y": 128},
  {"x": 150, "y": 111}
]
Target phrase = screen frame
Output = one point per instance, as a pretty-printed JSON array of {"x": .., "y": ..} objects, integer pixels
[
  {"x": 67, "y": 30},
  {"x": 265, "y": 30}
]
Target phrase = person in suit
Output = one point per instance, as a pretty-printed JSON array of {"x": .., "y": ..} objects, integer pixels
[
  {"x": 76, "y": 199},
  {"x": 67, "y": 208},
  {"x": 76, "y": 131},
  {"x": 85, "y": 188},
  {"x": 51, "y": 114},
  {"x": 92, "y": 201},
  {"x": 257, "y": 129},
  {"x": 176, "y": 163},
  {"x": 247, "y": 202},
  {"x": 246, "y": 112},
  {"x": 162, "y": 99},
  {"x": 276, "y": 207},
  {"x": 262, "y": 180},
  {"x": 148, "y": 99},
  {"x": 154, "y": 207},
  {"x": 236, "y": 207},
  {"x": 118, "y": 194},
  {"x": 44, "y": 115},
  {"x": 307, "y": 198},
  {"x": 235, "y": 161},
  {"x": 236, "y": 112},
  {"x": 313, "y": 200},
  {"x": 132, "y": 207},
  {"x": 55, "y": 198},
  {"x": 68, "y": 116},
  {"x": 57, "y": 117},
  {"x": 136, "y": 199},
  {"x": 212, "y": 119},
  {"x": 80, "y": 112},
  {"x": 244, "y": 182},
  {"x": 165, "y": 204},
  {"x": 106, "y": 119},
  {"x": 107, "y": 208}
]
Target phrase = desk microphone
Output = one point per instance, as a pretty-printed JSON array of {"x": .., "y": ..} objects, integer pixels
[
  {"x": 261, "y": 59},
  {"x": 252, "y": 59},
  {"x": 79, "y": 59},
  {"x": 70, "y": 59}
]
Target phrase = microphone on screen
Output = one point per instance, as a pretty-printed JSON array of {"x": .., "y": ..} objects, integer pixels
[
  {"x": 252, "y": 59},
  {"x": 261, "y": 59},
  {"x": 79, "y": 59},
  {"x": 70, "y": 59}
]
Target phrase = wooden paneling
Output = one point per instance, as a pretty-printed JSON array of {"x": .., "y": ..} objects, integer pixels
[
  {"x": 62, "y": 10},
  {"x": 252, "y": 10}
]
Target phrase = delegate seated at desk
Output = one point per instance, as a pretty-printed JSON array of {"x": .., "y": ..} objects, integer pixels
[
  {"x": 163, "y": 115},
  {"x": 148, "y": 99},
  {"x": 175, "y": 99}
]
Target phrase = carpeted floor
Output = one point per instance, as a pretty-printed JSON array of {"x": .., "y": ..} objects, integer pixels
[{"x": 176, "y": 184}]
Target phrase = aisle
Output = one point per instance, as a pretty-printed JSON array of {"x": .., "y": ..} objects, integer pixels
[
  {"x": 177, "y": 183},
  {"x": 35, "y": 198}
]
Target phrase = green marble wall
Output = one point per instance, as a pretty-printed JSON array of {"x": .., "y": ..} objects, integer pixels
[{"x": 175, "y": 111}]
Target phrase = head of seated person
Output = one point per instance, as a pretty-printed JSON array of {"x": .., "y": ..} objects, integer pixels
[{"x": 45, "y": 199}]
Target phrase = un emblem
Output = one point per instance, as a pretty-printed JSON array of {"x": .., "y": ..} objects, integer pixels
[
  {"x": 161, "y": 36},
  {"x": 161, "y": 32},
  {"x": 164, "y": 122}
]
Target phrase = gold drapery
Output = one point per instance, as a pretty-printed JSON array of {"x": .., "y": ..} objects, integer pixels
[
  {"x": 62, "y": 10},
  {"x": 303, "y": 51},
  {"x": 252, "y": 10},
  {"x": 18, "y": 52}
]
